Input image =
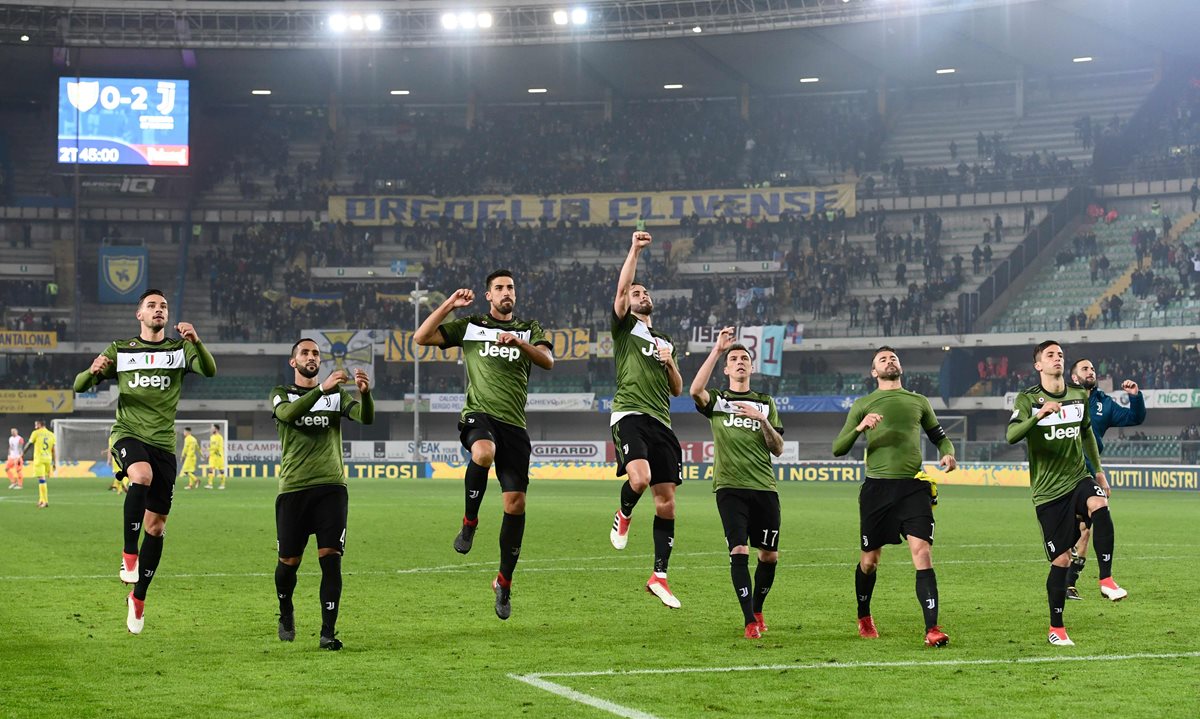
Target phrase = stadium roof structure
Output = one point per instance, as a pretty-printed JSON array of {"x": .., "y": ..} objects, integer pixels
[{"x": 626, "y": 49}]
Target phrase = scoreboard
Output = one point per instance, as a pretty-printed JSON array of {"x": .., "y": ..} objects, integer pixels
[{"x": 122, "y": 121}]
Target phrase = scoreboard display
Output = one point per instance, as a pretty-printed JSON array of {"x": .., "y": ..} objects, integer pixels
[{"x": 122, "y": 121}]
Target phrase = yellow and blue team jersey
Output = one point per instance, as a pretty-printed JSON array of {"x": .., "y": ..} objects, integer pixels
[
  {"x": 43, "y": 445},
  {"x": 191, "y": 450},
  {"x": 216, "y": 451}
]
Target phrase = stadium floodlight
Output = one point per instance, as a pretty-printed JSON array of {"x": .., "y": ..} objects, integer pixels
[
  {"x": 946, "y": 71},
  {"x": 537, "y": 90},
  {"x": 24, "y": 38},
  {"x": 374, "y": 22},
  {"x": 399, "y": 92},
  {"x": 809, "y": 79},
  {"x": 450, "y": 21},
  {"x": 697, "y": 29},
  {"x": 337, "y": 22},
  {"x": 260, "y": 92},
  {"x": 579, "y": 16},
  {"x": 673, "y": 86},
  {"x": 560, "y": 17},
  {"x": 484, "y": 20},
  {"x": 1085, "y": 58},
  {"x": 355, "y": 23},
  {"x": 466, "y": 20}
]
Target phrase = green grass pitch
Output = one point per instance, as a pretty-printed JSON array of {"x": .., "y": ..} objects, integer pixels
[{"x": 422, "y": 639}]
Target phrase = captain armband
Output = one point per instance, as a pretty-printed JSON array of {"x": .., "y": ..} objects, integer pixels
[{"x": 935, "y": 433}]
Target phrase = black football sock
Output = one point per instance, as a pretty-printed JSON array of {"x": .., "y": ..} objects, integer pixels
[
  {"x": 864, "y": 587},
  {"x": 927, "y": 595},
  {"x": 629, "y": 499},
  {"x": 1104, "y": 539},
  {"x": 135, "y": 510},
  {"x": 285, "y": 585},
  {"x": 1056, "y": 592},
  {"x": 664, "y": 539},
  {"x": 764, "y": 577},
  {"x": 739, "y": 572},
  {"x": 147, "y": 564},
  {"x": 1074, "y": 570},
  {"x": 331, "y": 592},
  {"x": 512, "y": 530},
  {"x": 475, "y": 485}
]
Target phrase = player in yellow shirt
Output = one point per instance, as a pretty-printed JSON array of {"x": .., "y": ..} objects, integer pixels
[
  {"x": 216, "y": 457},
  {"x": 191, "y": 450},
  {"x": 45, "y": 459}
]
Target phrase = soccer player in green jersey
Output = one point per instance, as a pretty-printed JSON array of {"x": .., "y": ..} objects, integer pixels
[
  {"x": 647, "y": 448},
  {"x": 149, "y": 370},
  {"x": 746, "y": 432},
  {"x": 499, "y": 350},
  {"x": 895, "y": 500},
  {"x": 312, "y": 481},
  {"x": 1052, "y": 417}
]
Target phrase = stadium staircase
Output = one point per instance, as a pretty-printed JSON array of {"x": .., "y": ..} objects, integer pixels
[
  {"x": 1055, "y": 291},
  {"x": 1145, "y": 312},
  {"x": 922, "y": 134}
]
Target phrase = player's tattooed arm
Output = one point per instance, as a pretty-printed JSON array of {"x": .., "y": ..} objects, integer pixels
[{"x": 772, "y": 438}]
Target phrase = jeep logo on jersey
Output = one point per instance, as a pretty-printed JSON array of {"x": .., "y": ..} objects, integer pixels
[
  {"x": 157, "y": 381},
  {"x": 310, "y": 420},
  {"x": 508, "y": 352},
  {"x": 743, "y": 422},
  {"x": 1063, "y": 433}
]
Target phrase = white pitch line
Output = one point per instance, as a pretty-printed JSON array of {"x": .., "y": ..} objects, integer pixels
[
  {"x": 540, "y": 681},
  {"x": 535, "y": 680},
  {"x": 474, "y": 567}
]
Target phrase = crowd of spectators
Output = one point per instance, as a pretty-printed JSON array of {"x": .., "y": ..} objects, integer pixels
[
  {"x": 1174, "y": 367},
  {"x": 36, "y": 371}
]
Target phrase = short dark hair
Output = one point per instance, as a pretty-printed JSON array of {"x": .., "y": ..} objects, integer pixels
[
  {"x": 883, "y": 348},
  {"x": 1037, "y": 351},
  {"x": 298, "y": 343},
  {"x": 215, "y": 427},
  {"x": 1076, "y": 363},
  {"x": 733, "y": 348},
  {"x": 149, "y": 293},
  {"x": 497, "y": 273},
  {"x": 187, "y": 429}
]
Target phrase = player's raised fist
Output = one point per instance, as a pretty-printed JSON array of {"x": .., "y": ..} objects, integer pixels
[
  {"x": 641, "y": 240},
  {"x": 1130, "y": 386},
  {"x": 664, "y": 354},
  {"x": 1048, "y": 409},
  {"x": 871, "y": 421},
  {"x": 99, "y": 364},
  {"x": 335, "y": 378},
  {"x": 187, "y": 331},
  {"x": 461, "y": 298},
  {"x": 725, "y": 339},
  {"x": 361, "y": 380}
]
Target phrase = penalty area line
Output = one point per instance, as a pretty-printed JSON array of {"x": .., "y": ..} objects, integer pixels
[{"x": 541, "y": 680}]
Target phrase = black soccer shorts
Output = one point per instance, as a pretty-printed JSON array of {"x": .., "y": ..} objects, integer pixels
[
  {"x": 1059, "y": 518},
  {"x": 512, "y": 448},
  {"x": 640, "y": 436},
  {"x": 892, "y": 509},
  {"x": 129, "y": 451},
  {"x": 749, "y": 517},
  {"x": 320, "y": 510}
]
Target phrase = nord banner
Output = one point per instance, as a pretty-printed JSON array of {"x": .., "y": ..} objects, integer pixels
[{"x": 656, "y": 208}]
